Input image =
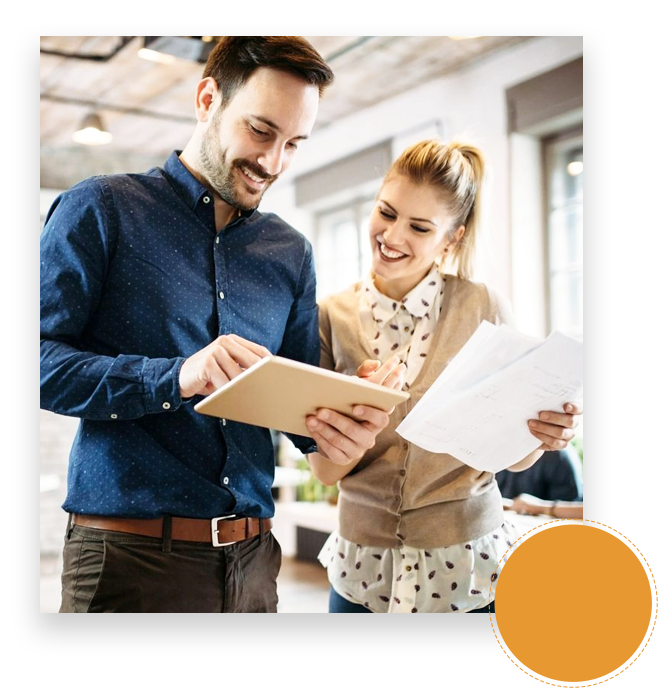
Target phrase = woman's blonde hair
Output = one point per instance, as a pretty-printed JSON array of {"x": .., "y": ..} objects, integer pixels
[{"x": 457, "y": 171}]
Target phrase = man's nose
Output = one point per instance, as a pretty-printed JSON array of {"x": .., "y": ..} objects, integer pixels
[{"x": 272, "y": 159}]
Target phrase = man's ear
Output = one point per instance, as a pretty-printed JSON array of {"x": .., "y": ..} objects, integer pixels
[{"x": 208, "y": 97}]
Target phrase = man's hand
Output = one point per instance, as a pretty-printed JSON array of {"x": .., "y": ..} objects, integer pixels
[
  {"x": 343, "y": 440},
  {"x": 222, "y": 360},
  {"x": 529, "y": 504}
]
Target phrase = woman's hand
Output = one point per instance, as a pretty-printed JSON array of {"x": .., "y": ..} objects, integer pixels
[
  {"x": 556, "y": 429},
  {"x": 391, "y": 374},
  {"x": 343, "y": 440}
]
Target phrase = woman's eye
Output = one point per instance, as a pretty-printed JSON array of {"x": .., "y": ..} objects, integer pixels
[
  {"x": 387, "y": 215},
  {"x": 258, "y": 132}
]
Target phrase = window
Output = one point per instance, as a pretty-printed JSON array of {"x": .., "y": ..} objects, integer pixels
[
  {"x": 341, "y": 246},
  {"x": 564, "y": 235}
]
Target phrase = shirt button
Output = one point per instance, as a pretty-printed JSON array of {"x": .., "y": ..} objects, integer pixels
[
  {"x": 217, "y": 240},
  {"x": 223, "y": 421},
  {"x": 206, "y": 199},
  {"x": 114, "y": 416},
  {"x": 220, "y": 294},
  {"x": 225, "y": 481},
  {"x": 166, "y": 406}
]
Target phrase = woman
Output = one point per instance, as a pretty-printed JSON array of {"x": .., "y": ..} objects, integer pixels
[{"x": 418, "y": 532}]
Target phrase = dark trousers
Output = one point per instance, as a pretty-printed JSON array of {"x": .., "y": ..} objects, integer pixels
[
  {"x": 106, "y": 571},
  {"x": 339, "y": 605}
]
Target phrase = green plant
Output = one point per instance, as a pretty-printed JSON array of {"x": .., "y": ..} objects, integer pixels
[{"x": 312, "y": 490}]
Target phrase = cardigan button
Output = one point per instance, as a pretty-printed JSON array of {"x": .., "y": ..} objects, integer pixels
[
  {"x": 403, "y": 472},
  {"x": 405, "y": 446}
]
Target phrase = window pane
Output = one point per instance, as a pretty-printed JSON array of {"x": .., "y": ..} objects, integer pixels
[
  {"x": 336, "y": 249},
  {"x": 565, "y": 235}
]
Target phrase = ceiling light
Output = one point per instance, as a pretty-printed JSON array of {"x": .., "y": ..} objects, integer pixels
[
  {"x": 575, "y": 168},
  {"x": 92, "y": 132},
  {"x": 155, "y": 56},
  {"x": 196, "y": 48}
]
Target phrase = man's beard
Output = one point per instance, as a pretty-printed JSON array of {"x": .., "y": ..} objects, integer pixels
[{"x": 221, "y": 176}]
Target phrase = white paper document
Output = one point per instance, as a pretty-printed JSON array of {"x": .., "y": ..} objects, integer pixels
[{"x": 478, "y": 408}]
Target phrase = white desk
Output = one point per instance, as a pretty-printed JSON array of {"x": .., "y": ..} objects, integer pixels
[
  {"x": 319, "y": 516},
  {"x": 527, "y": 524}
]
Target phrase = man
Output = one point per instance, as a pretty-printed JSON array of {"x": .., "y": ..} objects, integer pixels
[
  {"x": 556, "y": 476},
  {"x": 159, "y": 287}
]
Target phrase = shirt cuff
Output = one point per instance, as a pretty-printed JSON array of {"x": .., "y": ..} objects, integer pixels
[
  {"x": 306, "y": 445},
  {"x": 161, "y": 383}
]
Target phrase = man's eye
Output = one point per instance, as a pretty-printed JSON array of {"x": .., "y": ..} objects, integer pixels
[
  {"x": 292, "y": 144},
  {"x": 258, "y": 132}
]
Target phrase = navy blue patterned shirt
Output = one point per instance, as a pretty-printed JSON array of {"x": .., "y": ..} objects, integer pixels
[{"x": 134, "y": 279}]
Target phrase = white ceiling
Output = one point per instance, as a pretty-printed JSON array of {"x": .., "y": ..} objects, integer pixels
[{"x": 148, "y": 107}]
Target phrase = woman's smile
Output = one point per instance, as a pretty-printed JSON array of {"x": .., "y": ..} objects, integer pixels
[{"x": 388, "y": 254}]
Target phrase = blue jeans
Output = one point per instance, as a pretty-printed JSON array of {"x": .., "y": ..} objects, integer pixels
[{"x": 339, "y": 605}]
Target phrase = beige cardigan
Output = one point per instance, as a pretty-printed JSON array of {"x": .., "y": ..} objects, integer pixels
[{"x": 399, "y": 493}]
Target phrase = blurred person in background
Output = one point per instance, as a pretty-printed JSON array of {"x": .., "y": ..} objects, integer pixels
[{"x": 557, "y": 475}]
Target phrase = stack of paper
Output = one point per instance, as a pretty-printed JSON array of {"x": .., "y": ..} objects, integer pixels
[{"x": 478, "y": 408}]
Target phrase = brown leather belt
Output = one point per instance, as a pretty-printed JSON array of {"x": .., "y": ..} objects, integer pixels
[{"x": 219, "y": 531}]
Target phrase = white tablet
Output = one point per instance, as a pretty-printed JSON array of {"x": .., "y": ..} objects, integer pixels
[{"x": 279, "y": 393}]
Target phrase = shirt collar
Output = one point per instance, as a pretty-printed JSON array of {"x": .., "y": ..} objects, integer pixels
[
  {"x": 383, "y": 308},
  {"x": 418, "y": 302},
  {"x": 420, "y": 299},
  {"x": 187, "y": 186}
]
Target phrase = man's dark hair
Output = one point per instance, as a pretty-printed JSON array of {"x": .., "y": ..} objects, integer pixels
[{"x": 235, "y": 58}]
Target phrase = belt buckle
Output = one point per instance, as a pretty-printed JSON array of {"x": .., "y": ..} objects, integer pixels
[{"x": 214, "y": 531}]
